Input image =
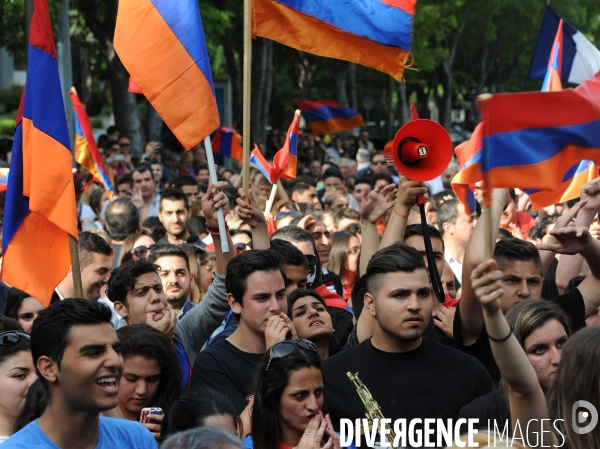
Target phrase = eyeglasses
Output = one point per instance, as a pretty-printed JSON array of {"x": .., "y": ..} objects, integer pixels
[
  {"x": 287, "y": 348},
  {"x": 379, "y": 162},
  {"x": 11, "y": 338},
  {"x": 142, "y": 251},
  {"x": 354, "y": 251},
  {"x": 125, "y": 144},
  {"x": 241, "y": 247},
  {"x": 292, "y": 213}
]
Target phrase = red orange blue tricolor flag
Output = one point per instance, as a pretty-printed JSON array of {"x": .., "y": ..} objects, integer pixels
[
  {"x": 328, "y": 117},
  {"x": 285, "y": 161},
  {"x": 469, "y": 160},
  {"x": 374, "y": 33},
  {"x": 86, "y": 150},
  {"x": 40, "y": 211},
  {"x": 161, "y": 44},
  {"x": 227, "y": 142}
]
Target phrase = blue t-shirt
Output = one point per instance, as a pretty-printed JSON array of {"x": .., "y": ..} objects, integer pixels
[{"x": 114, "y": 433}]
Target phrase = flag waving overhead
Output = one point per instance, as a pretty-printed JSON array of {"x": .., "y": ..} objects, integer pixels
[
  {"x": 161, "y": 44},
  {"x": 469, "y": 160},
  {"x": 40, "y": 210},
  {"x": 328, "y": 117},
  {"x": 530, "y": 140},
  {"x": 374, "y": 33},
  {"x": 285, "y": 161},
  {"x": 86, "y": 150},
  {"x": 552, "y": 78},
  {"x": 580, "y": 58},
  {"x": 227, "y": 142}
]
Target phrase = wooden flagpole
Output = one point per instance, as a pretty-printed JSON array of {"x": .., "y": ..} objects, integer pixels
[
  {"x": 74, "y": 249},
  {"x": 247, "y": 94}
]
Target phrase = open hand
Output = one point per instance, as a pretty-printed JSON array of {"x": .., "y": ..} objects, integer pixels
[
  {"x": 213, "y": 200},
  {"x": 378, "y": 202},
  {"x": 249, "y": 212},
  {"x": 569, "y": 240}
]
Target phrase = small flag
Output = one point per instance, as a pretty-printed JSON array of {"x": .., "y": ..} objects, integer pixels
[
  {"x": 328, "y": 117},
  {"x": 227, "y": 142}
]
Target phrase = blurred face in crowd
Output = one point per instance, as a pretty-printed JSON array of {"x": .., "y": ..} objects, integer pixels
[
  {"x": 544, "y": 349},
  {"x": 360, "y": 190},
  {"x": 28, "y": 312},
  {"x": 417, "y": 242},
  {"x": 157, "y": 172},
  {"x": 381, "y": 182},
  {"x": 95, "y": 275},
  {"x": 264, "y": 191},
  {"x": 191, "y": 192},
  {"x": 521, "y": 280},
  {"x": 449, "y": 174},
  {"x": 329, "y": 223},
  {"x": 345, "y": 222},
  {"x": 146, "y": 298},
  {"x": 242, "y": 242},
  {"x": 176, "y": 279},
  {"x": 364, "y": 136},
  {"x": 203, "y": 176},
  {"x": 123, "y": 190},
  {"x": 145, "y": 183},
  {"x": 315, "y": 169},
  {"x": 174, "y": 217},
  {"x": 329, "y": 183},
  {"x": 124, "y": 145},
  {"x": 142, "y": 246},
  {"x": 309, "y": 196},
  {"x": 340, "y": 202},
  {"x": 320, "y": 234},
  {"x": 345, "y": 169},
  {"x": 138, "y": 386},
  {"x": 378, "y": 164},
  {"x": 311, "y": 319},
  {"x": 448, "y": 281},
  {"x": 463, "y": 226},
  {"x": 509, "y": 215},
  {"x": 296, "y": 278},
  {"x": 207, "y": 275},
  {"x": 353, "y": 255}
]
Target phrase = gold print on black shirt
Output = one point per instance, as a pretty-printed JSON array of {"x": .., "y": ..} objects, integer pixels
[{"x": 371, "y": 405}]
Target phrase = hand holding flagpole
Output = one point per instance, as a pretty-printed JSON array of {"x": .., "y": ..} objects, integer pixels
[{"x": 213, "y": 177}]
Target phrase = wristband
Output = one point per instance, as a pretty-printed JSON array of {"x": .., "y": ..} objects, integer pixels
[
  {"x": 405, "y": 216},
  {"x": 500, "y": 340},
  {"x": 215, "y": 231}
]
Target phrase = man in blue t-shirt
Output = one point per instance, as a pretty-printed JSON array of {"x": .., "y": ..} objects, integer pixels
[{"x": 77, "y": 355}]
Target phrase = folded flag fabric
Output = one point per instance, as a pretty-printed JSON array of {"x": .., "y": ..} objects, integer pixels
[
  {"x": 374, "y": 33},
  {"x": 161, "y": 44},
  {"x": 3, "y": 179},
  {"x": 86, "y": 150},
  {"x": 469, "y": 159},
  {"x": 530, "y": 140},
  {"x": 328, "y": 117},
  {"x": 414, "y": 114},
  {"x": 227, "y": 142},
  {"x": 552, "y": 79},
  {"x": 285, "y": 161},
  {"x": 40, "y": 211},
  {"x": 580, "y": 58}
]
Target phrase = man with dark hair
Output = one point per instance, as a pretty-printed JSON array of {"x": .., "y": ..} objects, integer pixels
[
  {"x": 174, "y": 214},
  {"x": 256, "y": 292},
  {"x": 187, "y": 185},
  {"x": 124, "y": 185},
  {"x": 456, "y": 228},
  {"x": 112, "y": 132},
  {"x": 174, "y": 272},
  {"x": 77, "y": 356},
  {"x": 361, "y": 188},
  {"x": 302, "y": 192},
  {"x": 295, "y": 264},
  {"x": 332, "y": 177},
  {"x": 378, "y": 163},
  {"x": 144, "y": 194},
  {"x": 95, "y": 260},
  {"x": 122, "y": 218},
  {"x": 390, "y": 371}
]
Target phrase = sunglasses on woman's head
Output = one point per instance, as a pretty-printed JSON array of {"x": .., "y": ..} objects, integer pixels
[
  {"x": 11, "y": 338},
  {"x": 142, "y": 251},
  {"x": 286, "y": 348},
  {"x": 292, "y": 213}
]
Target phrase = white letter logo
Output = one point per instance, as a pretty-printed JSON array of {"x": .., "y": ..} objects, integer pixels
[{"x": 581, "y": 417}]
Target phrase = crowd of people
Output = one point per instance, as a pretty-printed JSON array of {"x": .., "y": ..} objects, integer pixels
[{"x": 324, "y": 309}]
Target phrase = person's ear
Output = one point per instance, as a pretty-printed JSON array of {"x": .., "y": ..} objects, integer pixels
[
  {"x": 48, "y": 368},
  {"x": 448, "y": 227},
  {"x": 121, "y": 310},
  {"x": 235, "y": 306},
  {"x": 369, "y": 301}
]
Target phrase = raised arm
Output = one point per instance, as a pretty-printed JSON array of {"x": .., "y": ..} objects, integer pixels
[
  {"x": 572, "y": 240},
  {"x": 569, "y": 266},
  {"x": 213, "y": 200},
  {"x": 253, "y": 217},
  {"x": 470, "y": 309},
  {"x": 407, "y": 197},
  {"x": 526, "y": 398}
]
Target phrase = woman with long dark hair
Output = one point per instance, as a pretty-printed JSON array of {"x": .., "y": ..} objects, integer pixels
[
  {"x": 288, "y": 399},
  {"x": 344, "y": 258},
  {"x": 151, "y": 376},
  {"x": 22, "y": 307}
]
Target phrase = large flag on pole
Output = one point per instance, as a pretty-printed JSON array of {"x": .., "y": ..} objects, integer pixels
[
  {"x": 580, "y": 58},
  {"x": 161, "y": 44},
  {"x": 374, "y": 33},
  {"x": 86, "y": 150},
  {"x": 40, "y": 211}
]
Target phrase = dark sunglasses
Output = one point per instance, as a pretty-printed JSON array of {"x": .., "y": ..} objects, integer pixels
[
  {"x": 241, "y": 247},
  {"x": 141, "y": 251},
  {"x": 286, "y": 348},
  {"x": 292, "y": 213},
  {"x": 11, "y": 338},
  {"x": 379, "y": 162}
]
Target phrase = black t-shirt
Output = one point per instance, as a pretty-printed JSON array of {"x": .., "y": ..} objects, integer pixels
[
  {"x": 432, "y": 381},
  {"x": 228, "y": 370},
  {"x": 489, "y": 408},
  {"x": 571, "y": 303}
]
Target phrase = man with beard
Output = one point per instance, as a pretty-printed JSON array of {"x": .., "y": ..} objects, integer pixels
[
  {"x": 174, "y": 272},
  {"x": 174, "y": 214},
  {"x": 397, "y": 373}
]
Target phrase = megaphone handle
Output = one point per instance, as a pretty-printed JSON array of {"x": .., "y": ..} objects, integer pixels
[
  {"x": 421, "y": 200},
  {"x": 436, "y": 282}
]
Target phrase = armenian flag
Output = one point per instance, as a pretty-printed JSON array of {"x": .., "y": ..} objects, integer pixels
[
  {"x": 530, "y": 140},
  {"x": 469, "y": 160},
  {"x": 40, "y": 212},
  {"x": 328, "y": 117},
  {"x": 374, "y": 33},
  {"x": 161, "y": 44},
  {"x": 285, "y": 161},
  {"x": 86, "y": 150},
  {"x": 227, "y": 142}
]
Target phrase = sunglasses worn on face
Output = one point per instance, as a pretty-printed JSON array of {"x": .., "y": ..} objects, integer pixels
[
  {"x": 11, "y": 338},
  {"x": 241, "y": 247},
  {"x": 141, "y": 251},
  {"x": 287, "y": 348},
  {"x": 292, "y": 213},
  {"x": 379, "y": 162}
]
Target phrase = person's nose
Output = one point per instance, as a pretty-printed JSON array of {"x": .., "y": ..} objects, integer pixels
[
  {"x": 312, "y": 405},
  {"x": 524, "y": 291},
  {"x": 555, "y": 355},
  {"x": 413, "y": 304},
  {"x": 141, "y": 388}
]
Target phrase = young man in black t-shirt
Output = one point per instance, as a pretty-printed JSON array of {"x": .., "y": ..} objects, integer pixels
[
  {"x": 256, "y": 293},
  {"x": 523, "y": 268},
  {"x": 398, "y": 373}
]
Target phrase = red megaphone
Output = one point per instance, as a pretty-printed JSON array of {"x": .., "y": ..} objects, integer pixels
[{"x": 421, "y": 151}]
